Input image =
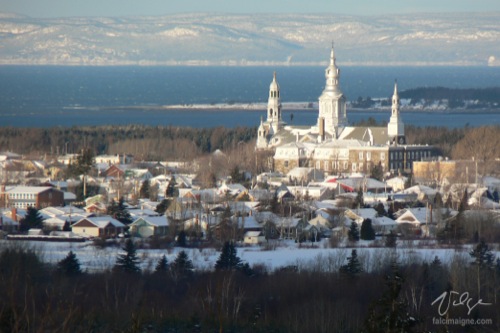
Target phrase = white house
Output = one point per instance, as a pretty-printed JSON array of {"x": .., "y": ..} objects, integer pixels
[{"x": 148, "y": 226}]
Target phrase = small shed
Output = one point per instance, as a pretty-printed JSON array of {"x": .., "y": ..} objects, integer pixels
[{"x": 253, "y": 237}]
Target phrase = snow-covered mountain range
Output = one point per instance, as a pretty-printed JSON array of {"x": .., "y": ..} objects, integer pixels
[{"x": 270, "y": 39}]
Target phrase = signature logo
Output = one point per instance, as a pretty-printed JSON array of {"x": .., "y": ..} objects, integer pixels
[{"x": 456, "y": 299}]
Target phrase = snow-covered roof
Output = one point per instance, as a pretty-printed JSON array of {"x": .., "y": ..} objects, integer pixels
[
  {"x": 158, "y": 221},
  {"x": 102, "y": 221},
  {"x": 27, "y": 189}
]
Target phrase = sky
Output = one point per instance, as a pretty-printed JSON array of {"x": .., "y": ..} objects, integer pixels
[{"x": 116, "y": 8}]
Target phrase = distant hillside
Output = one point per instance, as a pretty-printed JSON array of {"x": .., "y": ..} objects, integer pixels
[{"x": 458, "y": 39}]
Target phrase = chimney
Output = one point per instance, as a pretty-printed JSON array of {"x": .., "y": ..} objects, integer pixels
[{"x": 13, "y": 214}]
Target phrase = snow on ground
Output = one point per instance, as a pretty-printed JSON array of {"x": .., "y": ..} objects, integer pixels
[{"x": 319, "y": 257}]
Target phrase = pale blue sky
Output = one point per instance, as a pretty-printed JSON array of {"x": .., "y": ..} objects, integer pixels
[{"x": 59, "y": 8}]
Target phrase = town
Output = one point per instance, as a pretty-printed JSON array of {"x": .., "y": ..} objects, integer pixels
[{"x": 137, "y": 239}]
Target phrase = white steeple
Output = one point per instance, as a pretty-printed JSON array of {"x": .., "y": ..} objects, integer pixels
[
  {"x": 332, "y": 101},
  {"x": 396, "y": 128},
  {"x": 261, "y": 135},
  {"x": 274, "y": 105}
]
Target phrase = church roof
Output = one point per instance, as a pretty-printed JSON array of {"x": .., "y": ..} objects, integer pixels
[{"x": 376, "y": 135}]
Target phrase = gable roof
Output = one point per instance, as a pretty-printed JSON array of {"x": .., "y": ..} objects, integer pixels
[
  {"x": 99, "y": 222},
  {"x": 157, "y": 221}
]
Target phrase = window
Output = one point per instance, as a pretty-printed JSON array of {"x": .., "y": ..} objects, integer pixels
[
  {"x": 360, "y": 166},
  {"x": 286, "y": 164},
  {"x": 354, "y": 167},
  {"x": 368, "y": 155},
  {"x": 361, "y": 155},
  {"x": 346, "y": 165},
  {"x": 318, "y": 165},
  {"x": 327, "y": 166},
  {"x": 382, "y": 156}
]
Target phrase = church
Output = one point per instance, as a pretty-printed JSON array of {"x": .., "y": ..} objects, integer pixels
[{"x": 331, "y": 145}]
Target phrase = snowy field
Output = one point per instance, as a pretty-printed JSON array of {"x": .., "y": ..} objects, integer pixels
[{"x": 319, "y": 257}]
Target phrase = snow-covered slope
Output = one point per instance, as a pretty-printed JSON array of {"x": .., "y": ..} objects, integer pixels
[{"x": 423, "y": 39}]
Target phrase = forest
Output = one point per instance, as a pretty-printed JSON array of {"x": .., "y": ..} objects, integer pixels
[{"x": 327, "y": 296}]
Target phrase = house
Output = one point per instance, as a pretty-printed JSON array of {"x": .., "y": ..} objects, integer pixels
[
  {"x": 361, "y": 214},
  {"x": 32, "y": 196},
  {"x": 253, "y": 237},
  {"x": 105, "y": 226},
  {"x": 8, "y": 225},
  {"x": 322, "y": 225},
  {"x": 148, "y": 226},
  {"x": 422, "y": 221}
]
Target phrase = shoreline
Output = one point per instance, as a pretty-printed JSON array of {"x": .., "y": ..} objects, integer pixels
[{"x": 290, "y": 106}]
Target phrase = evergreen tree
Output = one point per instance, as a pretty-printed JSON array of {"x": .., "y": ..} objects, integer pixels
[
  {"x": 482, "y": 255},
  {"x": 367, "y": 231},
  {"x": 162, "y": 265},
  {"x": 436, "y": 262},
  {"x": 390, "y": 314},
  {"x": 359, "y": 202},
  {"x": 353, "y": 266},
  {"x": 390, "y": 239},
  {"x": 377, "y": 172},
  {"x": 119, "y": 211},
  {"x": 353, "y": 233},
  {"x": 182, "y": 239},
  {"x": 162, "y": 207},
  {"x": 464, "y": 202},
  {"x": 172, "y": 191},
  {"x": 228, "y": 258},
  {"x": 236, "y": 176},
  {"x": 32, "y": 220},
  {"x": 380, "y": 209},
  {"x": 182, "y": 266},
  {"x": 145, "y": 190},
  {"x": 70, "y": 265},
  {"x": 128, "y": 262}
]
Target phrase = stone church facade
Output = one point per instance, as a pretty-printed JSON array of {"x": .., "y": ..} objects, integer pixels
[{"x": 331, "y": 145}]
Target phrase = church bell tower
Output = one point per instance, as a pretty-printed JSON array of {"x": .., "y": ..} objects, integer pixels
[
  {"x": 274, "y": 105},
  {"x": 332, "y": 102},
  {"x": 395, "y": 127}
]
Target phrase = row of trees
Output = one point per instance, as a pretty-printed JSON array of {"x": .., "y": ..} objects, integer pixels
[
  {"x": 144, "y": 142},
  {"x": 395, "y": 297}
]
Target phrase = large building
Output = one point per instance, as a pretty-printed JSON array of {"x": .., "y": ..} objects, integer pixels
[{"x": 331, "y": 145}]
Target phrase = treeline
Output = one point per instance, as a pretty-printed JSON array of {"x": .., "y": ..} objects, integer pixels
[
  {"x": 396, "y": 296},
  {"x": 185, "y": 143},
  {"x": 485, "y": 95},
  {"x": 144, "y": 142}
]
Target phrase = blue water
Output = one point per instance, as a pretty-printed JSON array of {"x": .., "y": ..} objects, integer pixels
[{"x": 46, "y": 96}]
